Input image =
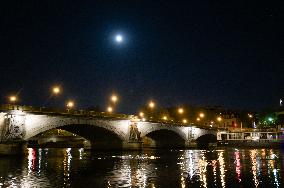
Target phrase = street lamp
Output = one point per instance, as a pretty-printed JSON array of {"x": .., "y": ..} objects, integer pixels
[
  {"x": 219, "y": 119},
  {"x": 151, "y": 104},
  {"x": 114, "y": 98},
  {"x": 70, "y": 104},
  {"x": 198, "y": 119},
  {"x": 184, "y": 120},
  {"x": 180, "y": 110},
  {"x": 201, "y": 115},
  {"x": 109, "y": 109},
  {"x": 141, "y": 114},
  {"x": 13, "y": 98},
  {"x": 165, "y": 118},
  {"x": 56, "y": 90}
]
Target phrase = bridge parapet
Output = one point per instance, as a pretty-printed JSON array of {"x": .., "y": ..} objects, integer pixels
[
  {"x": 57, "y": 111},
  {"x": 95, "y": 114}
]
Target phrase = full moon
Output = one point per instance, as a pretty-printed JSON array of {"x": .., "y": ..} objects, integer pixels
[{"x": 118, "y": 38}]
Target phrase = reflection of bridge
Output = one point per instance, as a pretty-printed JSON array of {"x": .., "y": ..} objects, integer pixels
[{"x": 105, "y": 131}]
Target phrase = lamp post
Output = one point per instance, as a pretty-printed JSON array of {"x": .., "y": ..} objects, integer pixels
[
  {"x": 114, "y": 98},
  {"x": 219, "y": 119},
  {"x": 109, "y": 109},
  {"x": 70, "y": 105}
]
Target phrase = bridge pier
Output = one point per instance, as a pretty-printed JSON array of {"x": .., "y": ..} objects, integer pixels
[
  {"x": 190, "y": 144},
  {"x": 132, "y": 145},
  {"x": 126, "y": 145},
  {"x": 17, "y": 148}
]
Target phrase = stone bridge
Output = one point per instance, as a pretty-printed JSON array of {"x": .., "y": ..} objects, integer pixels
[{"x": 102, "y": 130}]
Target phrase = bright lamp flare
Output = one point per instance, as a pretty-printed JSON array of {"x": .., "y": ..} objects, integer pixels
[
  {"x": 165, "y": 118},
  {"x": 56, "y": 90},
  {"x": 13, "y": 98},
  {"x": 70, "y": 104},
  {"x": 219, "y": 119},
  {"x": 201, "y": 115},
  {"x": 109, "y": 109},
  {"x": 141, "y": 114},
  {"x": 151, "y": 104},
  {"x": 114, "y": 98},
  {"x": 184, "y": 121},
  {"x": 118, "y": 38},
  {"x": 180, "y": 110}
]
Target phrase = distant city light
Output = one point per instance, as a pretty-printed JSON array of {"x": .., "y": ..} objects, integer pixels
[
  {"x": 270, "y": 119},
  {"x": 219, "y": 119},
  {"x": 165, "y": 117},
  {"x": 141, "y": 114},
  {"x": 198, "y": 119},
  {"x": 184, "y": 121},
  {"x": 201, "y": 115}
]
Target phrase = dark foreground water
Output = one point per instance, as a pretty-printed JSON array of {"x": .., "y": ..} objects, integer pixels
[{"x": 154, "y": 168}]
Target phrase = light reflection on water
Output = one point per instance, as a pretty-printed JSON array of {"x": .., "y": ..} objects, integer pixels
[{"x": 74, "y": 167}]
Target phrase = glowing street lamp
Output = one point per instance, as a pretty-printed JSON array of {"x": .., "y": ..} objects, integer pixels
[
  {"x": 114, "y": 98},
  {"x": 141, "y": 114},
  {"x": 180, "y": 110},
  {"x": 151, "y": 104},
  {"x": 56, "y": 90},
  {"x": 201, "y": 115},
  {"x": 250, "y": 115},
  {"x": 13, "y": 98},
  {"x": 219, "y": 119},
  {"x": 184, "y": 120},
  {"x": 165, "y": 118},
  {"x": 198, "y": 119},
  {"x": 109, "y": 109},
  {"x": 70, "y": 104}
]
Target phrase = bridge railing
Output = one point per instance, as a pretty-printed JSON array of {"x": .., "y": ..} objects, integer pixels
[
  {"x": 89, "y": 113},
  {"x": 56, "y": 111}
]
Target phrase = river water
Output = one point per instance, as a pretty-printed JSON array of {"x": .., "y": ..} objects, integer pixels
[{"x": 74, "y": 167}]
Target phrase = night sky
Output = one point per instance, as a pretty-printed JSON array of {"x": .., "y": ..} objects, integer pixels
[{"x": 226, "y": 53}]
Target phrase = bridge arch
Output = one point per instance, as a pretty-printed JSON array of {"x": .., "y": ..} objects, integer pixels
[
  {"x": 165, "y": 136},
  {"x": 205, "y": 139},
  {"x": 117, "y": 129}
]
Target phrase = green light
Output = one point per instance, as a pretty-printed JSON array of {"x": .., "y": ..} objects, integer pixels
[{"x": 270, "y": 119}]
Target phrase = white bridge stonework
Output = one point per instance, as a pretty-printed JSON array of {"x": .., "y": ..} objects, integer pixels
[{"x": 17, "y": 125}]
